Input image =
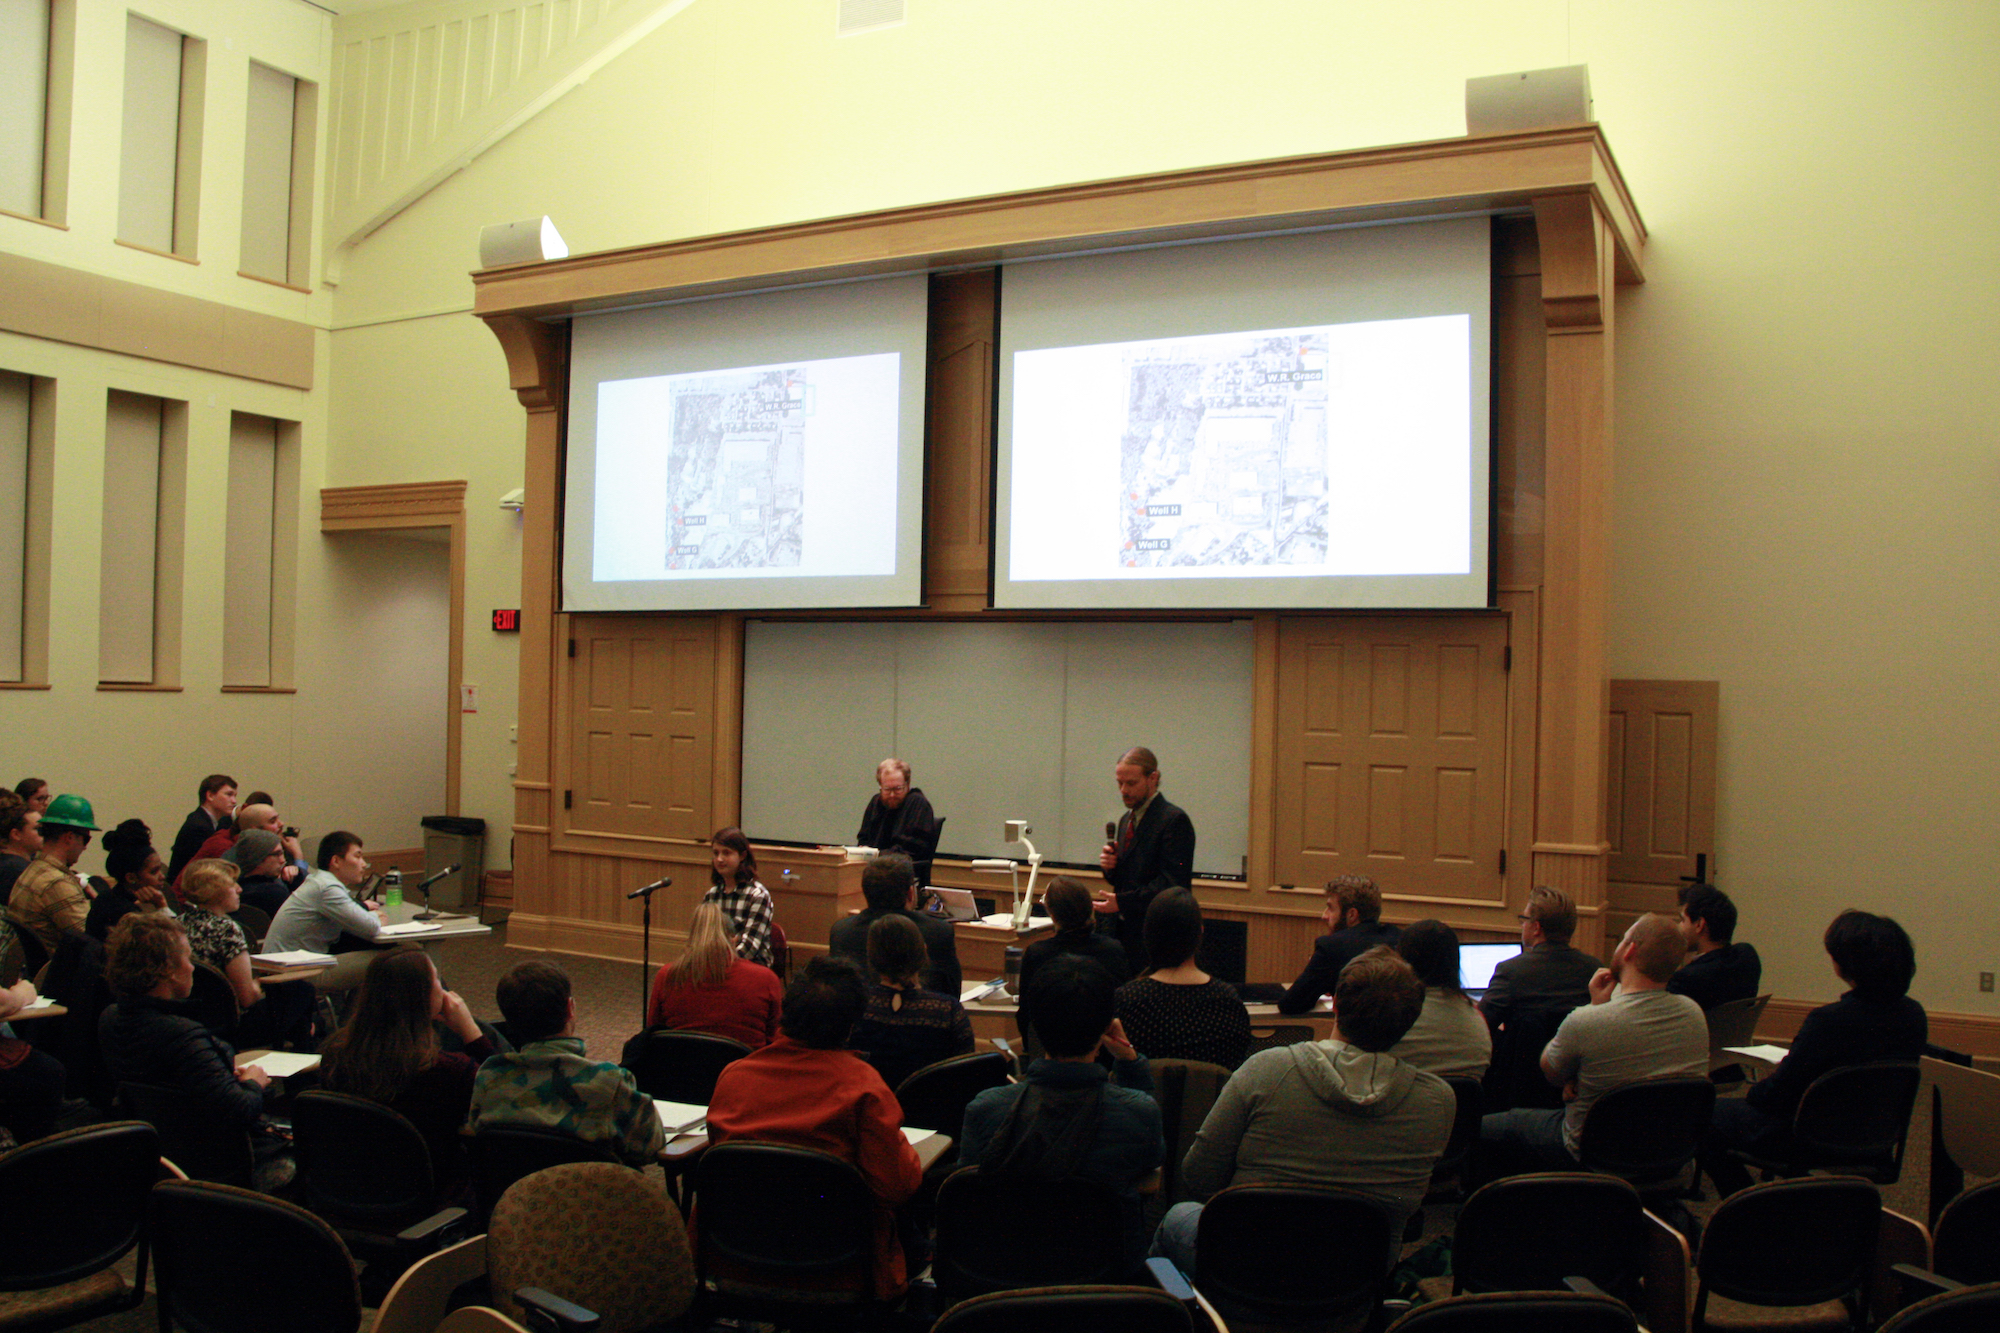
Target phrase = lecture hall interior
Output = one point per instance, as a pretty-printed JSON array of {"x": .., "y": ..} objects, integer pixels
[{"x": 257, "y": 420}]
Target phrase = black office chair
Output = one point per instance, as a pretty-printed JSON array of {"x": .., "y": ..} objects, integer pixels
[
  {"x": 1648, "y": 1132},
  {"x": 1853, "y": 1120},
  {"x": 255, "y": 923},
  {"x": 233, "y": 1261},
  {"x": 1791, "y": 1243},
  {"x": 190, "y": 1135},
  {"x": 367, "y": 1171},
  {"x": 1293, "y": 1254},
  {"x": 503, "y": 1154},
  {"x": 1069, "y": 1309},
  {"x": 213, "y": 1002},
  {"x": 77, "y": 1205},
  {"x": 1186, "y": 1090},
  {"x": 1955, "y": 1310},
  {"x": 935, "y": 1097},
  {"x": 786, "y": 1236},
  {"x": 1449, "y": 1176},
  {"x": 1534, "y": 1232},
  {"x": 1521, "y": 1312},
  {"x": 678, "y": 1066},
  {"x": 996, "y": 1237},
  {"x": 1515, "y": 1079},
  {"x": 922, "y": 865},
  {"x": 1965, "y": 1244}
]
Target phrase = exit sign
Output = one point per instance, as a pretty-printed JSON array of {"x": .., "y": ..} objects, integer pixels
[{"x": 508, "y": 621}]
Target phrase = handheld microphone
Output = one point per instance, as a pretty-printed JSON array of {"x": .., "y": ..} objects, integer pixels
[
  {"x": 432, "y": 879},
  {"x": 1111, "y": 830},
  {"x": 647, "y": 891}
]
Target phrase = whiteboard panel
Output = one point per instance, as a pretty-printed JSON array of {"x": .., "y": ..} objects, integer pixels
[{"x": 997, "y": 721}]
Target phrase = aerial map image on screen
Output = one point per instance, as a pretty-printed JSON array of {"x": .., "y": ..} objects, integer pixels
[
  {"x": 736, "y": 469},
  {"x": 1224, "y": 455}
]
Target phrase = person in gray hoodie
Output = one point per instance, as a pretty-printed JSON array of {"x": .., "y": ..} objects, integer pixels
[{"x": 1342, "y": 1112}]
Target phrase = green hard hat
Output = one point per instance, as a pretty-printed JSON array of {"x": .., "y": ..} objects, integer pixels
[{"x": 71, "y": 812}]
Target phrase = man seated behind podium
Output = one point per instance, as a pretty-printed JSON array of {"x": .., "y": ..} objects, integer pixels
[
  {"x": 1069, "y": 1119},
  {"x": 324, "y": 916},
  {"x": 549, "y": 1083},
  {"x": 1354, "y": 915},
  {"x": 889, "y": 883},
  {"x": 1718, "y": 969},
  {"x": 898, "y": 817},
  {"x": 805, "y": 1091}
]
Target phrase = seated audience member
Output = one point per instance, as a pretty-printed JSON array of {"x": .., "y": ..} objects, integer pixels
[
  {"x": 1547, "y": 974},
  {"x": 1068, "y": 905},
  {"x": 20, "y": 842},
  {"x": 146, "y": 1038},
  {"x": 34, "y": 793},
  {"x": 733, "y": 886},
  {"x": 549, "y": 1081},
  {"x": 31, "y": 1081},
  {"x": 1177, "y": 1011},
  {"x": 47, "y": 898},
  {"x": 388, "y": 1052},
  {"x": 296, "y": 868},
  {"x": 1875, "y": 1020},
  {"x": 1070, "y": 1118},
  {"x": 806, "y": 1090},
  {"x": 1342, "y": 1112},
  {"x": 218, "y": 803},
  {"x": 1633, "y": 1028},
  {"x": 259, "y": 857},
  {"x": 281, "y": 1015},
  {"x": 898, "y": 817},
  {"x": 323, "y": 915},
  {"x": 906, "y": 1027},
  {"x": 889, "y": 883},
  {"x": 261, "y": 816},
  {"x": 1449, "y": 1036},
  {"x": 1354, "y": 915},
  {"x": 1718, "y": 969},
  {"x": 709, "y": 989},
  {"x": 138, "y": 878}
]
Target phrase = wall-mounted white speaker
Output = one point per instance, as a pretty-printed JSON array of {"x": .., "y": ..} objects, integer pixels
[
  {"x": 1535, "y": 99},
  {"x": 529, "y": 241}
]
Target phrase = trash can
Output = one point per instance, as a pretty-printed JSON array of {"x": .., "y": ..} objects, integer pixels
[{"x": 455, "y": 840}]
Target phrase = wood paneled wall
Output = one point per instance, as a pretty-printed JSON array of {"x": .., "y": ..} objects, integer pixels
[{"x": 1458, "y": 756}]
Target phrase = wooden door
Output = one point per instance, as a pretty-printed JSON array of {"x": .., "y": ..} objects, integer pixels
[
  {"x": 1392, "y": 754},
  {"x": 1659, "y": 793},
  {"x": 642, "y": 726}
]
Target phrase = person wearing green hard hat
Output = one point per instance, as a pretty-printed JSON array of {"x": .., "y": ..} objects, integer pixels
[{"x": 48, "y": 898}]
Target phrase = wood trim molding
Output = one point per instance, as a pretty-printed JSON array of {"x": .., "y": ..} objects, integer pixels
[
  {"x": 43, "y": 300},
  {"x": 1975, "y": 1034},
  {"x": 1494, "y": 173},
  {"x": 418, "y": 504}
]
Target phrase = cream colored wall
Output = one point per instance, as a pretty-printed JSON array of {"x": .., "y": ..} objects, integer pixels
[{"x": 1805, "y": 455}]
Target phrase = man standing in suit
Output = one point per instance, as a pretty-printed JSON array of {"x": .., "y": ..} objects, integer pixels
[
  {"x": 1151, "y": 849},
  {"x": 890, "y": 885}
]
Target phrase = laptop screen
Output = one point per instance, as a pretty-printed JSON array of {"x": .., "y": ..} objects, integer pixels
[{"x": 1477, "y": 961}]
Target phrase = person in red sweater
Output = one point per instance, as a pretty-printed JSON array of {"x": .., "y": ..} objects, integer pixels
[
  {"x": 709, "y": 989},
  {"x": 805, "y": 1091},
  {"x": 388, "y": 1052}
]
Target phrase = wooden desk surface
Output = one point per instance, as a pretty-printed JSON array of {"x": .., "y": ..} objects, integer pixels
[
  {"x": 44, "y": 1011},
  {"x": 995, "y": 1016}
]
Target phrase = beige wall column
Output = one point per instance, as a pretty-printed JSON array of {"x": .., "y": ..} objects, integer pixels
[
  {"x": 1570, "y": 849},
  {"x": 535, "y": 370}
]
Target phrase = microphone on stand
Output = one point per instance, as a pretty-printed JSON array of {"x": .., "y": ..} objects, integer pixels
[
  {"x": 649, "y": 889},
  {"x": 645, "y": 893},
  {"x": 427, "y": 914}
]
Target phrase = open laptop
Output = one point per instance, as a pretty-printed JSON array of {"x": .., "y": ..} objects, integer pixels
[
  {"x": 953, "y": 904},
  {"x": 1477, "y": 961}
]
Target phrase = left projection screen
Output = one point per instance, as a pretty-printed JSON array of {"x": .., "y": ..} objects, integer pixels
[{"x": 759, "y": 452}]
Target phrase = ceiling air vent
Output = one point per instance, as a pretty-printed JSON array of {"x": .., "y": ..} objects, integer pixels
[{"x": 858, "y": 16}]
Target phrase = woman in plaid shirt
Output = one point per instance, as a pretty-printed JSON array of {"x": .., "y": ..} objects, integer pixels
[{"x": 733, "y": 887}]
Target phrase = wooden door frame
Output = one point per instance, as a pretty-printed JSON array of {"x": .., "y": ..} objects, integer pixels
[{"x": 417, "y": 504}]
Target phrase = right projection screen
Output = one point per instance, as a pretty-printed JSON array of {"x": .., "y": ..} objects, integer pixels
[{"x": 1296, "y": 420}]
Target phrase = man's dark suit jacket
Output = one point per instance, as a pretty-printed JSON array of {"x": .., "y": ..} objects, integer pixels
[
  {"x": 1330, "y": 954},
  {"x": 1719, "y": 976},
  {"x": 1161, "y": 857},
  {"x": 196, "y": 829},
  {"x": 849, "y": 939},
  {"x": 1529, "y": 997}
]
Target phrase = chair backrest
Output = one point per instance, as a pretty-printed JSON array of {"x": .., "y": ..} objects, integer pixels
[
  {"x": 935, "y": 1097},
  {"x": 361, "y": 1163},
  {"x": 1966, "y": 1244},
  {"x": 1464, "y": 1124},
  {"x": 602, "y": 1236},
  {"x": 503, "y": 1154},
  {"x": 1965, "y": 1128},
  {"x": 997, "y": 1237},
  {"x": 77, "y": 1203},
  {"x": 1185, "y": 1090},
  {"x": 213, "y": 1001},
  {"x": 922, "y": 864},
  {"x": 781, "y": 952},
  {"x": 1529, "y": 1233},
  {"x": 681, "y": 1066},
  {"x": 190, "y": 1135},
  {"x": 1858, "y": 1117},
  {"x": 75, "y": 981},
  {"x": 1069, "y": 1309},
  {"x": 1734, "y": 1023},
  {"x": 1791, "y": 1242},
  {"x": 1647, "y": 1132},
  {"x": 774, "y": 1216},
  {"x": 255, "y": 923},
  {"x": 1969, "y": 1310},
  {"x": 233, "y": 1261},
  {"x": 1521, "y": 1312},
  {"x": 1292, "y": 1253},
  {"x": 1278, "y": 1034},
  {"x": 1515, "y": 1077}
]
